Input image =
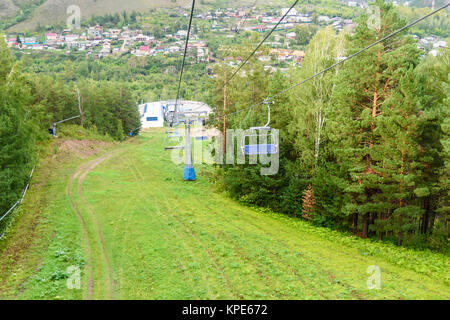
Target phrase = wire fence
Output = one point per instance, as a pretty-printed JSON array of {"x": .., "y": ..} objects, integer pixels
[{"x": 18, "y": 202}]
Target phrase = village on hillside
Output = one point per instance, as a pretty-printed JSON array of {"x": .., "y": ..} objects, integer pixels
[{"x": 98, "y": 42}]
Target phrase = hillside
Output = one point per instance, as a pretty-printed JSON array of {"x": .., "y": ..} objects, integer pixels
[
  {"x": 7, "y": 8},
  {"x": 163, "y": 238},
  {"x": 54, "y": 11}
]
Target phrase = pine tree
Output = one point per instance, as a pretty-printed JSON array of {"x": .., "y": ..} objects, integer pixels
[
  {"x": 362, "y": 87},
  {"x": 444, "y": 210},
  {"x": 434, "y": 184},
  {"x": 401, "y": 162}
]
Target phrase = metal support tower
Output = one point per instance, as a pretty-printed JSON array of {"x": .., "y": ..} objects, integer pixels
[{"x": 189, "y": 170}]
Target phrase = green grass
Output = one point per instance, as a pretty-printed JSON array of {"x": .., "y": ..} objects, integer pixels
[
  {"x": 73, "y": 131},
  {"x": 150, "y": 235}
]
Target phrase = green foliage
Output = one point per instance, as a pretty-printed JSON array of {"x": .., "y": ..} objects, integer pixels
[
  {"x": 304, "y": 33},
  {"x": 32, "y": 102},
  {"x": 26, "y": 9},
  {"x": 370, "y": 137},
  {"x": 149, "y": 78},
  {"x": 17, "y": 143},
  {"x": 77, "y": 132},
  {"x": 437, "y": 24}
]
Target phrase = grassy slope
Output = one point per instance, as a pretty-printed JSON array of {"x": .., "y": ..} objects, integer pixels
[
  {"x": 7, "y": 8},
  {"x": 148, "y": 234},
  {"x": 54, "y": 11}
]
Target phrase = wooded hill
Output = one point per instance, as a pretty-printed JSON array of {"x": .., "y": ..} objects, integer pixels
[{"x": 364, "y": 147}]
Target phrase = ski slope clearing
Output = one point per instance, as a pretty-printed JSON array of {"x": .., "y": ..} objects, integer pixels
[{"x": 136, "y": 230}]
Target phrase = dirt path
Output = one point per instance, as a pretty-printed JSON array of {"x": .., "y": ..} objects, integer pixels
[
  {"x": 92, "y": 237},
  {"x": 85, "y": 237}
]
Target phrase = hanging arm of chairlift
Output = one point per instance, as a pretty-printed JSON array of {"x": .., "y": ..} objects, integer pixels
[
  {"x": 266, "y": 126},
  {"x": 265, "y": 148},
  {"x": 67, "y": 119}
]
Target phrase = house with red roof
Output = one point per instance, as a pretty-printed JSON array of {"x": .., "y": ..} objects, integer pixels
[
  {"x": 144, "y": 50},
  {"x": 12, "y": 42},
  {"x": 51, "y": 38}
]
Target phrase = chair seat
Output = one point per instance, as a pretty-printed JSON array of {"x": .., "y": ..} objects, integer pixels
[{"x": 254, "y": 149}]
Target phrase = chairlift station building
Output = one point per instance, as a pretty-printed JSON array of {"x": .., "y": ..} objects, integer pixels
[{"x": 153, "y": 114}]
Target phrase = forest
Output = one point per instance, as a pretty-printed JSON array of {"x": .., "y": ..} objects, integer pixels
[
  {"x": 364, "y": 148},
  {"x": 33, "y": 101}
]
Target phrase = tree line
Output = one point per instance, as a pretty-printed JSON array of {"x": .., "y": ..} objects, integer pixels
[
  {"x": 364, "y": 147},
  {"x": 30, "y": 103}
]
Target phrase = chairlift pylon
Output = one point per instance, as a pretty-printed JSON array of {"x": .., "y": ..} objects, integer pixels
[
  {"x": 258, "y": 132},
  {"x": 52, "y": 130}
]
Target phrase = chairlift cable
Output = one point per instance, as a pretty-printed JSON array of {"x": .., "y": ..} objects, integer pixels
[
  {"x": 184, "y": 56},
  {"x": 261, "y": 43}
]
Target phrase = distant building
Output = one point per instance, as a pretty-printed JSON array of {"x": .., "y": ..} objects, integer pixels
[
  {"x": 264, "y": 58},
  {"x": 12, "y": 42},
  {"x": 71, "y": 37},
  {"x": 30, "y": 40},
  {"x": 106, "y": 50},
  {"x": 144, "y": 50},
  {"x": 181, "y": 34},
  {"x": 194, "y": 109},
  {"x": 260, "y": 28},
  {"x": 291, "y": 13},
  {"x": 440, "y": 44},
  {"x": 174, "y": 49},
  {"x": 141, "y": 38},
  {"x": 324, "y": 19},
  {"x": 152, "y": 115},
  {"x": 51, "y": 38},
  {"x": 95, "y": 33},
  {"x": 291, "y": 35},
  {"x": 305, "y": 19}
]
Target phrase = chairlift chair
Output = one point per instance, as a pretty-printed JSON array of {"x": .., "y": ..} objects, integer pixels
[
  {"x": 173, "y": 141},
  {"x": 257, "y": 132},
  {"x": 203, "y": 135}
]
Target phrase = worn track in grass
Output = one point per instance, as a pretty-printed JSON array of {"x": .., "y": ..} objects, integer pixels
[
  {"x": 147, "y": 234},
  {"x": 175, "y": 239},
  {"x": 92, "y": 236}
]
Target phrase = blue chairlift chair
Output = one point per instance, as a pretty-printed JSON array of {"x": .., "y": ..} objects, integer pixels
[{"x": 268, "y": 147}]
